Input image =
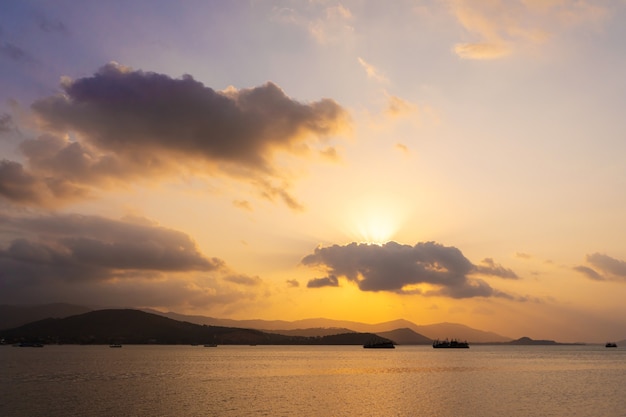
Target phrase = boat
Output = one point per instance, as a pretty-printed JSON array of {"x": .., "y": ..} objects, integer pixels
[
  {"x": 115, "y": 345},
  {"x": 379, "y": 344},
  {"x": 450, "y": 344},
  {"x": 610, "y": 344},
  {"x": 211, "y": 345}
]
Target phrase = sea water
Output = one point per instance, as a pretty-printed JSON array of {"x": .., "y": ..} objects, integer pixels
[{"x": 312, "y": 381}]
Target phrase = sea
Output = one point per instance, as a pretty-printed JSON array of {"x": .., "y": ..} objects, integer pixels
[{"x": 69, "y": 380}]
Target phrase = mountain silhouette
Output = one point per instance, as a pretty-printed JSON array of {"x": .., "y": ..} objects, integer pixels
[{"x": 138, "y": 327}]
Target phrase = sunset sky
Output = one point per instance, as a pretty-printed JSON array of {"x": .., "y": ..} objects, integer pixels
[{"x": 433, "y": 160}]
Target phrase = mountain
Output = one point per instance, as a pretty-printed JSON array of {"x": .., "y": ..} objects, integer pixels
[
  {"x": 405, "y": 337},
  {"x": 430, "y": 331},
  {"x": 138, "y": 327},
  {"x": 13, "y": 316},
  {"x": 461, "y": 332},
  {"x": 312, "y": 332}
]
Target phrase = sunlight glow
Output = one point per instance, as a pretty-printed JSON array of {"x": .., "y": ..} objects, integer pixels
[
  {"x": 374, "y": 221},
  {"x": 375, "y": 230}
]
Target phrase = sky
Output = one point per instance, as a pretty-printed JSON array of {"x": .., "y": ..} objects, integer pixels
[{"x": 433, "y": 160}]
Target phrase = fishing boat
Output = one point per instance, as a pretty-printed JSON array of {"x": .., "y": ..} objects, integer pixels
[
  {"x": 450, "y": 344},
  {"x": 610, "y": 344}
]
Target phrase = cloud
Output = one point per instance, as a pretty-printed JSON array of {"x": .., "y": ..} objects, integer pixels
[
  {"x": 293, "y": 283},
  {"x": 51, "y": 26},
  {"x": 134, "y": 112},
  {"x": 500, "y": 27},
  {"x": 591, "y": 274},
  {"x": 325, "y": 24},
  {"x": 19, "y": 185},
  {"x": 402, "y": 147},
  {"x": 405, "y": 269},
  {"x": 242, "y": 204},
  {"x": 244, "y": 280},
  {"x": 6, "y": 123},
  {"x": 100, "y": 261},
  {"x": 611, "y": 268},
  {"x": 481, "y": 50},
  {"x": 100, "y": 245},
  {"x": 332, "y": 25},
  {"x": 329, "y": 281},
  {"x": 489, "y": 267},
  {"x": 15, "y": 53},
  {"x": 372, "y": 72},
  {"x": 121, "y": 124},
  {"x": 397, "y": 106}
]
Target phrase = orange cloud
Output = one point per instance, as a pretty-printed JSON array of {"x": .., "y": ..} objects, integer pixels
[{"x": 499, "y": 27}]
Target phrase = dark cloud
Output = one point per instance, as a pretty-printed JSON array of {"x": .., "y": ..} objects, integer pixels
[
  {"x": 329, "y": 281},
  {"x": 611, "y": 268},
  {"x": 93, "y": 260},
  {"x": 489, "y": 267},
  {"x": 76, "y": 163},
  {"x": 591, "y": 274},
  {"x": 399, "y": 268},
  {"x": 121, "y": 125},
  {"x": 293, "y": 283},
  {"x": 168, "y": 292},
  {"x": 74, "y": 248},
  {"x": 19, "y": 185},
  {"x": 130, "y": 112},
  {"x": 244, "y": 280}
]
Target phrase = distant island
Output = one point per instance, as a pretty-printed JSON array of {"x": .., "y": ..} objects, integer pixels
[{"x": 527, "y": 341}]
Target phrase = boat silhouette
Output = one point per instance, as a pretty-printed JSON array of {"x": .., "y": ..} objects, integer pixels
[{"x": 450, "y": 344}]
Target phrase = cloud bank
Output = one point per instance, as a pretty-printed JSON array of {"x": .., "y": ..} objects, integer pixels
[
  {"x": 95, "y": 260},
  {"x": 121, "y": 124},
  {"x": 427, "y": 268}
]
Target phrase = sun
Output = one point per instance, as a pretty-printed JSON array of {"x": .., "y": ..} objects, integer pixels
[
  {"x": 375, "y": 221},
  {"x": 375, "y": 230}
]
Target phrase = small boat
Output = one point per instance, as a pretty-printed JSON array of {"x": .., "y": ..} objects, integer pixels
[
  {"x": 610, "y": 344},
  {"x": 115, "y": 345},
  {"x": 211, "y": 345},
  {"x": 379, "y": 344},
  {"x": 450, "y": 344}
]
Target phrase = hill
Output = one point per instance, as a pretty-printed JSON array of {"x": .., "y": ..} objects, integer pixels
[
  {"x": 406, "y": 337},
  {"x": 312, "y": 332},
  {"x": 138, "y": 327}
]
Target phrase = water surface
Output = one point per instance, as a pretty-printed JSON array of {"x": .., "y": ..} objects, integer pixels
[{"x": 312, "y": 381}]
